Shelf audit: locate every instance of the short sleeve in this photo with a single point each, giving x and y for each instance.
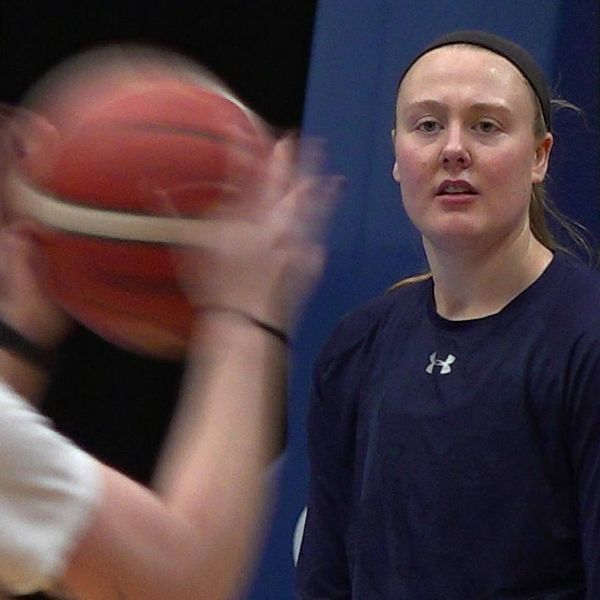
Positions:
(48, 490)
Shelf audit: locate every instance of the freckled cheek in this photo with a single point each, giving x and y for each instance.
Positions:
(415, 180)
(505, 183)
(506, 169)
(415, 170)
(499, 170)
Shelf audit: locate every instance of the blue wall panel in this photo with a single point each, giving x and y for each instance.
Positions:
(575, 168)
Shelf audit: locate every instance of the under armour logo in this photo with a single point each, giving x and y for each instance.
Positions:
(444, 364)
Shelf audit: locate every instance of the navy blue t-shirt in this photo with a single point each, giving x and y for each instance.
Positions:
(458, 460)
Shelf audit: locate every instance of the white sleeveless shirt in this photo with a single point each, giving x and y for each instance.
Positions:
(48, 489)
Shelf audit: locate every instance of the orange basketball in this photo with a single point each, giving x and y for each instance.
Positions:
(118, 135)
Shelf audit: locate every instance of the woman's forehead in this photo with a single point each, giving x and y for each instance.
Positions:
(469, 68)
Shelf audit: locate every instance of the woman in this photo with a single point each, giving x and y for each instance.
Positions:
(67, 521)
(453, 428)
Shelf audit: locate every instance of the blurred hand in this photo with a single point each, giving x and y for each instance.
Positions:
(23, 303)
(266, 261)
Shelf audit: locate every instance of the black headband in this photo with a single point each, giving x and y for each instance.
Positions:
(518, 56)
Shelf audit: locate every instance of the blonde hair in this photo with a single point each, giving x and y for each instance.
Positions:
(541, 208)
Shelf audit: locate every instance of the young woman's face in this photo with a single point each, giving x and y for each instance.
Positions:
(466, 156)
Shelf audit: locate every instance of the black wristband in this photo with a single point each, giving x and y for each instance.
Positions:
(281, 335)
(13, 341)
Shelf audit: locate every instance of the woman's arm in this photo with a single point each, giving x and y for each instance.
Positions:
(198, 535)
(199, 538)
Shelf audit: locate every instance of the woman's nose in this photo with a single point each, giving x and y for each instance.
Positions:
(455, 154)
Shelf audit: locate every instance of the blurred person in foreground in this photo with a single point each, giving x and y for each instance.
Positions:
(72, 525)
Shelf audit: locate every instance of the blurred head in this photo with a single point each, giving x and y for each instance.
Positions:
(472, 142)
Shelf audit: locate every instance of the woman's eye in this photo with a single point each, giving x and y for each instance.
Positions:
(486, 127)
(429, 126)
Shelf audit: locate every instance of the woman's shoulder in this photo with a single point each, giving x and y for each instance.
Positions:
(573, 298)
(578, 286)
(361, 323)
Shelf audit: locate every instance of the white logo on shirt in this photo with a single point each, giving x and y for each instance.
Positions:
(444, 364)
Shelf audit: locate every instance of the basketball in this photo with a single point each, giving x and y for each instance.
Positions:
(113, 137)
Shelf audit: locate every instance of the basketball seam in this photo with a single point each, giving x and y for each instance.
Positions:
(169, 128)
(26, 200)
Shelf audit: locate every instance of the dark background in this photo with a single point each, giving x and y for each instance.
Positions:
(116, 404)
(260, 47)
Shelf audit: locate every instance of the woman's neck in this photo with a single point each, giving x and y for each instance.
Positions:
(471, 285)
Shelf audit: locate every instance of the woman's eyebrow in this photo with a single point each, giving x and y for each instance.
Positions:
(428, 104)
(491, 106)
(425, 104)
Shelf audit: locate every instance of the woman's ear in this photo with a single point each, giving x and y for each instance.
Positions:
(541, 159)
(395, 173)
